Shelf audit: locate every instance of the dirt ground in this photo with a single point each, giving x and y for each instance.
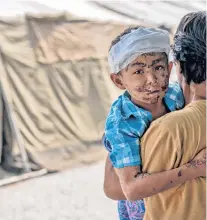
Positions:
(75, 194)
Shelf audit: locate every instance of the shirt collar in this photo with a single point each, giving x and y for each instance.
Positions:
(130, 109)
(169, 98)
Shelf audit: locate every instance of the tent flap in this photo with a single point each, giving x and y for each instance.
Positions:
(56, 78)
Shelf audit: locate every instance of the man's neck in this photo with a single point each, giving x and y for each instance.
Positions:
(198, 98)
(199, 91)
(193, 92)
(187, 92)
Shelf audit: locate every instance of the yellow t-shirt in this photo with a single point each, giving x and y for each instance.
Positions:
(170, 142)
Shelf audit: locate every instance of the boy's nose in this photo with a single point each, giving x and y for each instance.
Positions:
(151, 78)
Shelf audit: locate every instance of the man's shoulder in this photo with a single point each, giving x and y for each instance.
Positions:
(170, 120)
(177, 119)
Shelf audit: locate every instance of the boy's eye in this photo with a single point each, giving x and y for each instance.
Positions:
(138, 72)
(159, 68)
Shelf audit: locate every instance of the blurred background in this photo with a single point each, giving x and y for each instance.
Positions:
(56, 93)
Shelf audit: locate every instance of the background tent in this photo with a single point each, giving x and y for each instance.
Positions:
(153, 12)
(54, 73)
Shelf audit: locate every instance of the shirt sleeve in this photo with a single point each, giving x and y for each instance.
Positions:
(106, 143)
(174, 97)
(125, 147)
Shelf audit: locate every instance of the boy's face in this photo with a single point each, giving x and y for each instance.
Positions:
(146, 78)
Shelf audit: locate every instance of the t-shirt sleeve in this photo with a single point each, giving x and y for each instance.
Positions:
(125, 147)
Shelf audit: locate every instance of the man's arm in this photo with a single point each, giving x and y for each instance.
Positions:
(137, 186)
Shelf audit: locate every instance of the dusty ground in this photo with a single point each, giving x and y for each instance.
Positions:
(75, 194)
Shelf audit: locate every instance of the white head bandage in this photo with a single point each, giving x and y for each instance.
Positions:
(136, 43)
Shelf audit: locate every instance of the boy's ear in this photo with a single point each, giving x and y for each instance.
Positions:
(170, 66)
(117, 81)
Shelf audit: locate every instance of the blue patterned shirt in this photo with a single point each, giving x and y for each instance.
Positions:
(126, 124)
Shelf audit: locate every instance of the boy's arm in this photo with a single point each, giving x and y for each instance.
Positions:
(112, 187)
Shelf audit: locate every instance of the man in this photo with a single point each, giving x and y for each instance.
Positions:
(176, 138)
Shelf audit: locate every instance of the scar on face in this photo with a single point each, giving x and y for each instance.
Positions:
(165, 84)
(165, 74)
(145, 88)
(165, 81)
(140, 89)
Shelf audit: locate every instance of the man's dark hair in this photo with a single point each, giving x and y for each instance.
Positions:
(184, 21)
(190, 46)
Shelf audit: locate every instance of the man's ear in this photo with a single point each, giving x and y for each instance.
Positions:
(116, 78)
(180, 77)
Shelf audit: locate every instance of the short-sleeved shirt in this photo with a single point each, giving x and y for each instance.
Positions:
(170, 142)
(127, 122)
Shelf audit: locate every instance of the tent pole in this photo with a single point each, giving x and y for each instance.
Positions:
(1, 125)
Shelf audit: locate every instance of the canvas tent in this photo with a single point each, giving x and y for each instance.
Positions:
(59, 98)
(54, 75)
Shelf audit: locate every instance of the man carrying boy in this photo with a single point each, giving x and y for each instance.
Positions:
(139, 64)
(173, 140)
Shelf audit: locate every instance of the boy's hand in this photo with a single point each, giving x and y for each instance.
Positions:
(199, 162)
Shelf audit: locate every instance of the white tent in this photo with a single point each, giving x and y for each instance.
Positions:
(153, 12)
